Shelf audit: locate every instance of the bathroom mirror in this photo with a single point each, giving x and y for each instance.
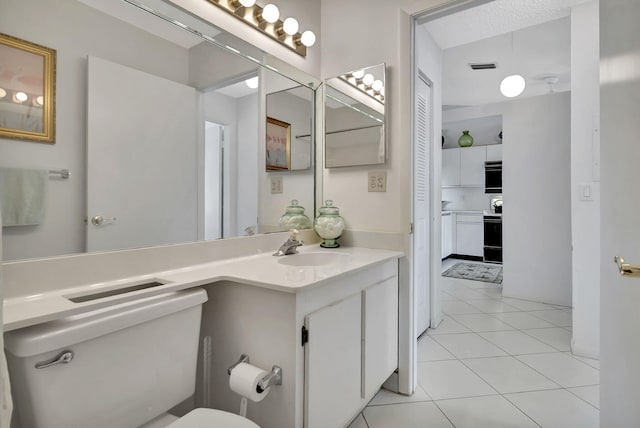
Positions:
(355, 118)
(162, 135)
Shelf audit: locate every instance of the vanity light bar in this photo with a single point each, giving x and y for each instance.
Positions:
(254, 15)
(374, 89)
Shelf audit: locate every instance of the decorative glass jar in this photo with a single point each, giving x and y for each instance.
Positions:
(465, 139)
(329, 225)
(294, 217)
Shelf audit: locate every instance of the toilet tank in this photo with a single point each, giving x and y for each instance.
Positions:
(131, 363)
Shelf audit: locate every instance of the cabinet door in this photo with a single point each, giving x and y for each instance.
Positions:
(333, 366)
(472, 165)
(447, 235)
(380, 334)
(469, 239)
(494, 152)
(451, 167)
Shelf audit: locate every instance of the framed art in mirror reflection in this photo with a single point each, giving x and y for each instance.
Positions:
(278, 145)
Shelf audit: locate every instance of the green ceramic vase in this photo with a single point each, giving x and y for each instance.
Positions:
(465, 139)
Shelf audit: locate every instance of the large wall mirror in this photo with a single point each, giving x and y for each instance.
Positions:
(162, 126)
(355, 131)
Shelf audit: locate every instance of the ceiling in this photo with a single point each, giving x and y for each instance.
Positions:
(527, 37)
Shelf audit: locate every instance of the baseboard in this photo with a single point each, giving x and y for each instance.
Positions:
(586, 352)
(465, 257)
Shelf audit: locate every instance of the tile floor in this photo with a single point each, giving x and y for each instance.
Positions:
(493, 362)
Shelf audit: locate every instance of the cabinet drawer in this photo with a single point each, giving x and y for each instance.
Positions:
(469, 218)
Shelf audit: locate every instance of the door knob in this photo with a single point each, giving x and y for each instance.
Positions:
(98, 220)
(625, 268)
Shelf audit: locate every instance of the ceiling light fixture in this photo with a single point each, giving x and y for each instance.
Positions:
(512, 86)
(267, 20)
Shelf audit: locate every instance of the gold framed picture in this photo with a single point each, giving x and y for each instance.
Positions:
(278, 148)
(27, 90)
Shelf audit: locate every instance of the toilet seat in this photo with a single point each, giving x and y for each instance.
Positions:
(211, 418)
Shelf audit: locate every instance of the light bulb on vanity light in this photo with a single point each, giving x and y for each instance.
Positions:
(358, 74)
(3, 93)
(20, 97)
(253, 82)
(247, 3)
(377, 85)
(368, 79)
(40, 100)
(271, 13)
(290, 26)
(308, 38)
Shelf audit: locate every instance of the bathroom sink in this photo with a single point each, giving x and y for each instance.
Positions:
(314, 259)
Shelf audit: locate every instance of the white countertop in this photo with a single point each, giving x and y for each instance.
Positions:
(263, 270)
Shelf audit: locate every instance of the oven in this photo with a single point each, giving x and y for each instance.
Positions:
(492, 238)
(493, 177)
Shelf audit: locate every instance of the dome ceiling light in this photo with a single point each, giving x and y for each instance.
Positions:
(512, 86)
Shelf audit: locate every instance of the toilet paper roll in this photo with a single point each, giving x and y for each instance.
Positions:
(244, 381)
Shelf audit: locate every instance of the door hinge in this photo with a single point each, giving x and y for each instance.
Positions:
(304, 335)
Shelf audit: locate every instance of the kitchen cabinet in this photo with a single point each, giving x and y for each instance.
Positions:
(447, 234)
(472, 161)
(451, 167)
(469, 235)
(465, 166)
(494, 152)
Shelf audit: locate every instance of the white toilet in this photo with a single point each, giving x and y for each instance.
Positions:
(119, 367)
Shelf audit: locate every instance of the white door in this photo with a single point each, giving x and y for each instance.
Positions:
(141, 158)
(620, 213)
(333, 364)
(421, 257)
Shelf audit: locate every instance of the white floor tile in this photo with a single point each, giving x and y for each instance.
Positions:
(522, 320)
(481, 322)
(358, 422)
(451, 379)
(555, 317)
(492, 306)
(590, 394)
(444, 297)
(517, 343)
(556, 409)
(484, 412)
(557, 337)
(451, 307)
(409, 415)
(491, 293)
(448, 326)
(562, 369)
(507, 375)
(526, 305)
(468, 345)
(593, 363)
(430, 350)
(384, 397)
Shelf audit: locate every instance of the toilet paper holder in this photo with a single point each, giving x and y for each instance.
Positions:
(273, 378)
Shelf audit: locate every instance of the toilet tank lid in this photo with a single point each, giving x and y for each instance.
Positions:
(75, 329)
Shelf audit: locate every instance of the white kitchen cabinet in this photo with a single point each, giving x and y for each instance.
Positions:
(494, 152)
(333, 364)
(469, 235)
(451, 167)
(472, 165)
(447, 235)
(380, 320)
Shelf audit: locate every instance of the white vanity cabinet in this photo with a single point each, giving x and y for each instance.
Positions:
(336, 343)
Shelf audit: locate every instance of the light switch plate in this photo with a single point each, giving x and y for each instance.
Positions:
(377, 181)
(276, 184)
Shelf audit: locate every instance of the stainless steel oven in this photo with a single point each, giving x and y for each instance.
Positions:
(492, 238)
(493, 177)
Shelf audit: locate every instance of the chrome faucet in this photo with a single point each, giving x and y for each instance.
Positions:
(290, 246)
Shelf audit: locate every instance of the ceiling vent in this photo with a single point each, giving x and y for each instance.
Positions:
(483, 66)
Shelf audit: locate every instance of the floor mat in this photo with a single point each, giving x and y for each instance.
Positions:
(475, 272)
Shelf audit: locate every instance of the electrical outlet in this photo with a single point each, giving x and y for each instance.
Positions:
(276, 184)
(377, 181)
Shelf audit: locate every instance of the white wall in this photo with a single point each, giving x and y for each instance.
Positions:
(585, 169)
(536, 189)
(75, 32)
